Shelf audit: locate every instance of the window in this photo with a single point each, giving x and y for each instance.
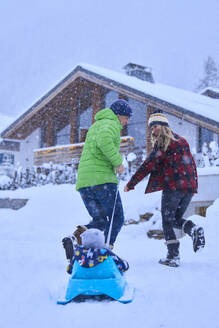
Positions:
(63, 136)
(204, 135)
(6, 159)
(62, 127)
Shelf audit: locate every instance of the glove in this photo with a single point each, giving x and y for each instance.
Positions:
(69, 268)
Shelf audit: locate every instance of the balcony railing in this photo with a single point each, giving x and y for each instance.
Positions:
(67, 154)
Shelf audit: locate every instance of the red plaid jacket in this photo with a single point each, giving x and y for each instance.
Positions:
(174, 169)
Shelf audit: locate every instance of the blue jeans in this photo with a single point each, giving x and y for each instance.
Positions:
(99, 201)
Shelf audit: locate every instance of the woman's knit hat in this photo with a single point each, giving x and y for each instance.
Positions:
(158, 118)
(121, 107)
(93, 238)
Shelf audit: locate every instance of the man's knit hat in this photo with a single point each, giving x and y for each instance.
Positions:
(158, 118)
(93, 238)
(121, 107)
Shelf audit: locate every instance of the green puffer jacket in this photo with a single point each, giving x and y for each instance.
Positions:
(100, 154)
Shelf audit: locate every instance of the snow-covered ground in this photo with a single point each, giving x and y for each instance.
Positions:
(33, 267)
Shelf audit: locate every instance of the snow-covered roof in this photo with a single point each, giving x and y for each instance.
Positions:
(189, 103)
(187, 100)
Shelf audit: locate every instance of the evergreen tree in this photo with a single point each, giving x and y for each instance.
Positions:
(211, 75)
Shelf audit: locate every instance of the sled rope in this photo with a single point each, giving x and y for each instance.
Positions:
(111, 221)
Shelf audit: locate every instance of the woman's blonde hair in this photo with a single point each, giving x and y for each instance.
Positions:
(163, 139)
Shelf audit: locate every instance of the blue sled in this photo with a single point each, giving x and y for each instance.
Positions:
(103, 279)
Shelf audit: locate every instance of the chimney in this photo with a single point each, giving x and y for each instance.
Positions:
(141, 72)
(211, 92)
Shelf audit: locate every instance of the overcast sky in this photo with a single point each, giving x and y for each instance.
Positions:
(42, 41)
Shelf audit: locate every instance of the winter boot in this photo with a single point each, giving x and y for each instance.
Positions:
(67, 243)
(172, 258)
(72, 241)
(196, 233)
(198, 239)
(77, 233)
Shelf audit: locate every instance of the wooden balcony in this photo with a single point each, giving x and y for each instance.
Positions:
(67, 154)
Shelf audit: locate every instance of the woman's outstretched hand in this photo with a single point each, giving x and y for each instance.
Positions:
(126, 189)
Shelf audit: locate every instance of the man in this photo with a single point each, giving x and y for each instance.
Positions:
(96, 180)
(173, 170)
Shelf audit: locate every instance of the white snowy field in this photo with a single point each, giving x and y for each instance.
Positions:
(33, 267)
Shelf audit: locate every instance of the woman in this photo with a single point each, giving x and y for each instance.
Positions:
(173, 170)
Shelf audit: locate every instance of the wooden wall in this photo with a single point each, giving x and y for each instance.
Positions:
(63, 109)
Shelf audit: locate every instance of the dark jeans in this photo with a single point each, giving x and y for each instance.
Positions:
(99, 201)
(173, 206)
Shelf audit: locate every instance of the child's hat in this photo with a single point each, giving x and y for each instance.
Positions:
(158, 118)
(93, 238)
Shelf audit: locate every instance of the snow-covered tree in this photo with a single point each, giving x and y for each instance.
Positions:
(211, 75)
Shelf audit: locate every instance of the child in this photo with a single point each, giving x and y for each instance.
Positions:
(93, 252)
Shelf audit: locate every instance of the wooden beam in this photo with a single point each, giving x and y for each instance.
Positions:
(50, 131)
(123, 96)
(74, 120)
(149, 111)
(96, 101)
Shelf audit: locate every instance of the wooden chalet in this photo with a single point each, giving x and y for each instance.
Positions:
(55, 127)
